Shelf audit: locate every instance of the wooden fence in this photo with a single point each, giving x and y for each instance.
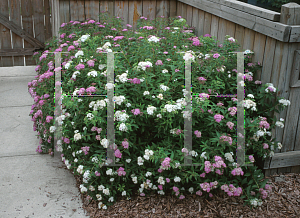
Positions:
(24, 27)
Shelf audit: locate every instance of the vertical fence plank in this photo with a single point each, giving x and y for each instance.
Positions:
(64, 11)
(259, 48)
(230, 29)
(183, 11)
(92, 9)
(80, 7)
(268, 60)
(135, 9)
(239, 35)
(173, 8)
(38, 20)
(200, 24)
(162, 8)
(207, 23)
(249, 39)
(74, 12)
(214, 28)
(189, 15)
(195, 20)
(15, 16)
(121, 10)
(27, 22)
(48, 31)
(55, 18)
(149, 9)
(107, 6)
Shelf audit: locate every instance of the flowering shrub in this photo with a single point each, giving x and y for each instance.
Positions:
(149, 111)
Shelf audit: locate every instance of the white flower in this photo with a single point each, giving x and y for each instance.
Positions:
(271, 153)
(123, 193)
(79, 53)
(153, 96)
(77, 136)
(150, 109)
(280, 124)
(128, 105)
(90, 116)
(104, 207)
(231, 39)
(52, 129)
(106, 191)
(104, 142)
(191, 190)
(176, 28)
(158, 115)
(170, 107)
(281, 119)
(203, 155)
(148, 174)
(160, 96)
(100, 187)
(112, 179)
(74, 74)
(161, 180)
(207, 56)
(140, 161)
(161, 192)
(128, 160)
(163, 87)
(67, 65)
(82, 188)
(177, 179)
(123, 127)
(285, 102)
(143, 65)
(123, 78)
(188, 56)
(279, 145)
(118, 99)
(111, 199)
(75, 160)
(92, 73)
(134, 179)
(165, 71)
(80, 169)
(99, 197)
(84, 38)
(101, 66)
(146, 93)
(153, 39)
(250, 96)
(109, 172)
(247, 51)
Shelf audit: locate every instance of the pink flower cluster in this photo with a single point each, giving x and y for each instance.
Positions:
(219, 163)
(159, 62)
(226, 139)
(85, 149)
(118, 154)
(118, 37)
(232, 110)
(125, 143)
(121, 171)
(231, 190)
(136, 111)
(197, 133)
(166, 163)
(237, 172)
(218, 117)
(135, 81)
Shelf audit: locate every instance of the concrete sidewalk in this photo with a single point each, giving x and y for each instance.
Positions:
(31, 184)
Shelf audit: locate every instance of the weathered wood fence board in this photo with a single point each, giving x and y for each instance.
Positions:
(25, 21)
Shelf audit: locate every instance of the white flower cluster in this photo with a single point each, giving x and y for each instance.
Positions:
(189, 55)
(121, 116)
(284, 102)
(191, 190)
(250, 104)
(193, 153)
(123, 77)
(109, 172)
(80, 169)
(163, 87)
(280, 124)
(123, 127)
(164, 71)
(153, 39)
(143, 65)
(75, 73)
(177, 179)
(140, 161)
(86, 176)
(104, 142)
(150, 109)
(148, 174)
(77, 136)
(99, 104)
(52, 129)
(90, 116)
(161, 180)
(134, 178)
(105, 47)
(82, 188)
(92, 73)
(83, 38)
(67, 164)
(148, 153)
(118, 99)
(270, 85)
(67, 65)
(250, 96)
(203, 155)
(101, 67)
(229, 156)
(256, 202)
(79, 53)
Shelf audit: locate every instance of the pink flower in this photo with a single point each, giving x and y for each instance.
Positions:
(79, 66)
(97, 173)
(85, 149)
(216, 55)
(175, 189)
(136, 111)
(181, 197)
(62, 35)
(48, 119)
(159, 62)
(71, 47)
(218, 117)
(202, 175)
(118, 154)
(125, 144)
(98, 137)
(168, 180)
(197, 133)
(94, 128)
(251, 158)
(91, 21)
(91, 89)
(160, 187)
(266, 146)
(207, 35)
(176, 70)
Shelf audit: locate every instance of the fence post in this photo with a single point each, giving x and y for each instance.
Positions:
(55, 18)
(290, 14)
